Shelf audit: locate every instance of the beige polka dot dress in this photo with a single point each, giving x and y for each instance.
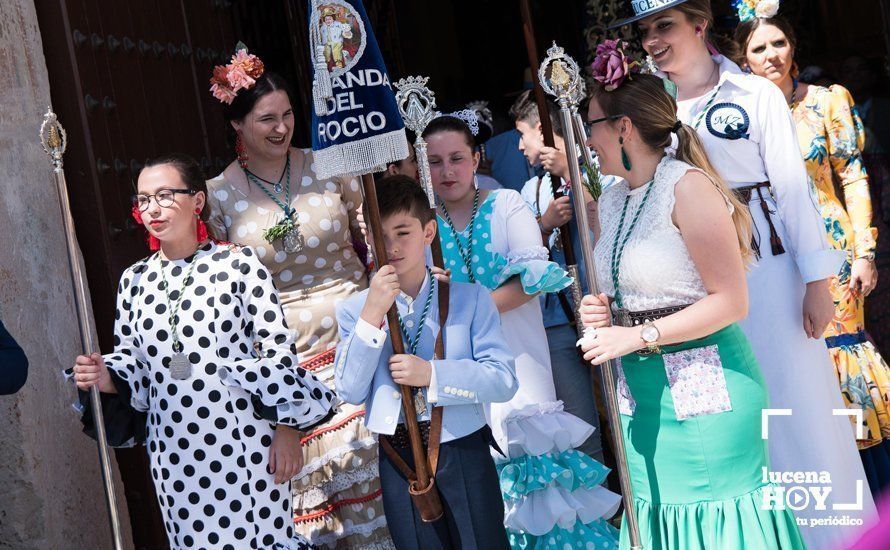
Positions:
(337, 494)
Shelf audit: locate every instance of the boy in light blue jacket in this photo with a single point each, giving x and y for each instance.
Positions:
(477, 368)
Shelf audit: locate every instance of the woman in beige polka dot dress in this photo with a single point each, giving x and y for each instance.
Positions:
(314, 266)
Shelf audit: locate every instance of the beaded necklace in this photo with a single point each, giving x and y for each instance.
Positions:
(287, 229)
(414, 342)
(180, 366)
(618, 250)
(466, 254)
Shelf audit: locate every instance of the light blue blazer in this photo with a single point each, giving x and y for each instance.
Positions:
(478, 367)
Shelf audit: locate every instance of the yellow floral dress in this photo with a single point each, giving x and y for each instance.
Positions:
(336, 496)
(831, 137)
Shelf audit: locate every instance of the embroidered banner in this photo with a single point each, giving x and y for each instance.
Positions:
(356, 126)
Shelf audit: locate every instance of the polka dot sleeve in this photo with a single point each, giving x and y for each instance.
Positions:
(281, 391)
(351, 193)
(127, 361)
(216, 221)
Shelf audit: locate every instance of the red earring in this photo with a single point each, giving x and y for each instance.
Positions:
(201, 227)
(697, 31)
(241, 151)
(151, 240)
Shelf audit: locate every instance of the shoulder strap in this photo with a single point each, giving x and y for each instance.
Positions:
(436, 414)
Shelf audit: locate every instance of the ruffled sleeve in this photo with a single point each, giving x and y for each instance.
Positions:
(124, 412)
(846, 138)
(281, 392)
(526, 256)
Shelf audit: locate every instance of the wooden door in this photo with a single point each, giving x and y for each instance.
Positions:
(129, 81)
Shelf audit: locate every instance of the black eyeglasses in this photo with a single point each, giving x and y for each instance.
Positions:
(590, 123)
(165, 198)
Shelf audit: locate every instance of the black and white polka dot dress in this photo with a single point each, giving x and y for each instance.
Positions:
(209, 436)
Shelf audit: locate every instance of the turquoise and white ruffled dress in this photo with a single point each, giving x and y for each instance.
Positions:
(552, 493)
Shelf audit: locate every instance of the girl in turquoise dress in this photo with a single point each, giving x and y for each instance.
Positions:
(670, 258)
(551, 490)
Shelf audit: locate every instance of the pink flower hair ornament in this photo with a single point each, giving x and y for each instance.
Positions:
(611, 66)
(240, 74)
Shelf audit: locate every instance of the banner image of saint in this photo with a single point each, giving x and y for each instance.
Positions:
(341, 34)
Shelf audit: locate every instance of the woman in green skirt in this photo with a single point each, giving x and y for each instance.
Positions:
(671, 253)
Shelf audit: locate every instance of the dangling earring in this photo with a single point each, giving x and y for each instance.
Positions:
(201, 227)
(625, 161)
(152, 241)
(241, 151)
(475, 181)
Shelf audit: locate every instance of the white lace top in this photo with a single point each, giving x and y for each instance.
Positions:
(656, 270)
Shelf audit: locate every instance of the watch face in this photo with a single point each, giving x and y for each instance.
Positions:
(649, 334)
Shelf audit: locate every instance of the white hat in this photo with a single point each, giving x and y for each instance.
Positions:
(645, 8)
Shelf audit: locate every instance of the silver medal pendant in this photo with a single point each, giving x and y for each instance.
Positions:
(293, 240)
(622, 317)
(180, 366)
(419, 402)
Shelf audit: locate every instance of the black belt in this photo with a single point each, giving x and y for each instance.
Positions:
(744, 194)
(637, 318)
(400, 438)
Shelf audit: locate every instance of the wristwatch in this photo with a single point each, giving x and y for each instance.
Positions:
(650, 335)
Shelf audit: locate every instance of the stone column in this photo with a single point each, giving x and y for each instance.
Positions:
(51, 492)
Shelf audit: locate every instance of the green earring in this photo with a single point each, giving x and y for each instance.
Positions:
(625, 161)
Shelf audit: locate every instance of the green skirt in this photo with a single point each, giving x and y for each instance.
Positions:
(698, 483)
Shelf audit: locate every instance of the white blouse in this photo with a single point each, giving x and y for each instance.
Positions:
(656, 270)
(749, 135)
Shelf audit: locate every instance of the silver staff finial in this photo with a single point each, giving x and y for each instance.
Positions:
(53, 138)
(560, 75)
(417, 105)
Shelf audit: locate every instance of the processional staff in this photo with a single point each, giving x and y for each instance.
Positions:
(565, 239)
(55, 141)
(560, 77)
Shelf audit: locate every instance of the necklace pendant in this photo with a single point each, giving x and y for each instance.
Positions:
(622, 317)
(278, 188)
(419, 402)
(293, 240)
(180, 366)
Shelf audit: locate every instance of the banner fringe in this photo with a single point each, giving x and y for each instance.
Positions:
(368, 155)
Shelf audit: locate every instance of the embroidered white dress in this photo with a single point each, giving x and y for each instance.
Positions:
(551, 490)
(750, 138)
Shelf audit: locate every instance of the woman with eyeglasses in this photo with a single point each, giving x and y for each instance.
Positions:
(204, 374)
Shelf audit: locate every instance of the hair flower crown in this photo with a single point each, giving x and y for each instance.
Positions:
(751, 9)
(240, 74)
(611, 65)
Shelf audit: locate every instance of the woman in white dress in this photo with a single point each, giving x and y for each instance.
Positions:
(204, 373)
(748, 133)
(551, 489)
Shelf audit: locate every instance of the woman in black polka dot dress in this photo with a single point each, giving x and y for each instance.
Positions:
(204, 373)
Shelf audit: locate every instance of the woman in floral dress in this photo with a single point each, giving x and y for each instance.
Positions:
(831, 139)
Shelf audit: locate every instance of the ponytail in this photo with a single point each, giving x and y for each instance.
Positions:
(691, 151)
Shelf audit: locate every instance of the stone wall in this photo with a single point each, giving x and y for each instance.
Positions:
(50, 488)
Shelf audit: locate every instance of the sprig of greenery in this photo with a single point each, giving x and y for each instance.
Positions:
(279, 230)
(591, 181)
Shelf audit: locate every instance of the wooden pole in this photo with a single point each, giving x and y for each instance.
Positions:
(375, 227)
(528, 32)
